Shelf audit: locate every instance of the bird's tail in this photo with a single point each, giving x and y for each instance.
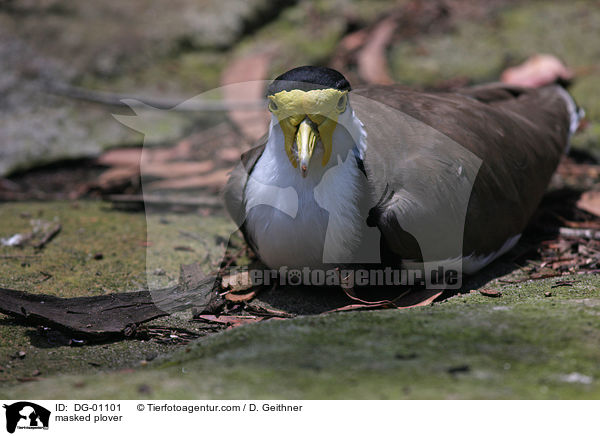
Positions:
(576, 113)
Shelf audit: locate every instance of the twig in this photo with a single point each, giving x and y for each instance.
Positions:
(579, 233)
(560, 283)
(50, 234)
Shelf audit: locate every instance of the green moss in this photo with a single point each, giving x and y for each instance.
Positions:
(88, 228)
(67, 267)
(523, 345)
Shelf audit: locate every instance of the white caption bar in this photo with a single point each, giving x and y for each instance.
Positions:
(261, 417)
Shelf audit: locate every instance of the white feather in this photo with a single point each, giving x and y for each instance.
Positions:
(328, 222)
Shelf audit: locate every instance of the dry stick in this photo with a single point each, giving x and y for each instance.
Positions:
(592, 225)
(579, 233)
(48, 236)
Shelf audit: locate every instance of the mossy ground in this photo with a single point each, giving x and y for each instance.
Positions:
(521, 345)
(69, 266)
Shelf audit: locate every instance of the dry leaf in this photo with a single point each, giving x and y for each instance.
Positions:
(590, 202)
(116, 176)
(229, 154)
(538, 70)
(216, 179)
(490, 293)
(121, 157)
(240, 298)
(404, 301)
(372, 60)
(229, 320)
(245, 78)
(169, 170)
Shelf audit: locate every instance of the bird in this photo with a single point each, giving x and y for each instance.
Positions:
(388, 175)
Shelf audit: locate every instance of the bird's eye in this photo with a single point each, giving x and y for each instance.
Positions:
(341, 105)
(273, 106)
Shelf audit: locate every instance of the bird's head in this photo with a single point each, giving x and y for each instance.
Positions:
(307, 102)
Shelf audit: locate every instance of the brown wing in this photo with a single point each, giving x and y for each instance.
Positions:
(518, 134)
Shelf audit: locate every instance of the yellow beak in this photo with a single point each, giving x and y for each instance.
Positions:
(306, 138)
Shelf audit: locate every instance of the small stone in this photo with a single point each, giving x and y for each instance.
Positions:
(36, 373)
(21, 354)
(98, 256)
(548, 294)
(144, 389)
(576, 377)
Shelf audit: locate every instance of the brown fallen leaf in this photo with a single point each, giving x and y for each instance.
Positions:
(351, 294)
(490, 293)
(133, 156)
(590, 202)
(117, 176)
(579, 224)
(121, 157)
(169, 170)
(243, 81)
(406, 300)
(372, 60)
(353, 41)
(229, 154)
(216, 179)
(346, 49)
(349, 307)
(538, 70)
(180, 151)
(240, 298)
(229, 320)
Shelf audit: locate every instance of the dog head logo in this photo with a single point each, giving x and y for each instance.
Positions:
(25, 415)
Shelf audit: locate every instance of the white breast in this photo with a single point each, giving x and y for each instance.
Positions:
(326, 224)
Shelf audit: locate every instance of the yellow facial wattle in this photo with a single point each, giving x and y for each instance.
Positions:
(305, 117)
